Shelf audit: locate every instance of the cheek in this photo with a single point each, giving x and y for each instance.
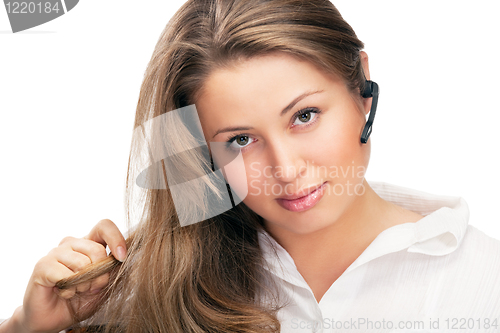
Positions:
(250, 181)
(262, 187)
(258, 176)
(340, 152)
(256, 192)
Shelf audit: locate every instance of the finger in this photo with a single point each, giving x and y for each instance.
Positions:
(95, 251)
(107, 233)
(66, 239)
(83, 287)
(70, 258)
(74, 261)
(48, 271)
(100, 282)
(77, 261)
(67, 293)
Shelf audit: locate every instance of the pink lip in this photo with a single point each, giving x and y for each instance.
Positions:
(301, 194)
(303, 203)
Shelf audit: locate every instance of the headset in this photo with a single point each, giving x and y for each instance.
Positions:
(371, 90)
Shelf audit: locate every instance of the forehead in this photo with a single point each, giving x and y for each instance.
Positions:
(259, 86)
(264, 75)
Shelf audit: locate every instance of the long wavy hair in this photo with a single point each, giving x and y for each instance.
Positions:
(208, 276)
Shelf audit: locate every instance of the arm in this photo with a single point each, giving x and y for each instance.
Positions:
(13, 324)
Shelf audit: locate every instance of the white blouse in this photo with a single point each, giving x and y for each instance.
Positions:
(438, 274)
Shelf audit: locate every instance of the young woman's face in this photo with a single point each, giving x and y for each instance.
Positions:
(285, 151)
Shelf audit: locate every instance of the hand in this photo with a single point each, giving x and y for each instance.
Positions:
(45, 309)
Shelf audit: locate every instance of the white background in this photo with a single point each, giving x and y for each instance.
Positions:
(69, 88)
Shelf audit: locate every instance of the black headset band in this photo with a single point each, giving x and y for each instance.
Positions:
(371, 90)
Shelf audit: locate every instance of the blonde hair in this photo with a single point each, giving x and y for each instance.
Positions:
(206, 277)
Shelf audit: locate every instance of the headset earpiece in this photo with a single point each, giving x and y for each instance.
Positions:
(368, 91)
(371, 90)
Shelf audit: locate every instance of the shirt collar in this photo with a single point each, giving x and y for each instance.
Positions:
(438, 233)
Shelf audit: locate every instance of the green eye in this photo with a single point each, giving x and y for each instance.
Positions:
(241, 141)
(304, 115)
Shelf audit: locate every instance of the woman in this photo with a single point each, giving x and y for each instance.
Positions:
(352, 252)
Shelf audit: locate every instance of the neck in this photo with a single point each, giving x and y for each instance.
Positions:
(348, 236)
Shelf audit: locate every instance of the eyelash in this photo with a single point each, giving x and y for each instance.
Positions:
(299, 113)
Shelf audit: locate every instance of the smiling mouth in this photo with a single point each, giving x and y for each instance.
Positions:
(305, 202)
(302, 193)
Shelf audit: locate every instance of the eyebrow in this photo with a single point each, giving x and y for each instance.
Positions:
(282, 113)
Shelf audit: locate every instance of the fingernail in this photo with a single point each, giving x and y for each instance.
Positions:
(120, 253)
(95, 291)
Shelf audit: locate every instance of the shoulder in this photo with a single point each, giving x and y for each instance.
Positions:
(480, 243)
(468, 277)
(478, 255)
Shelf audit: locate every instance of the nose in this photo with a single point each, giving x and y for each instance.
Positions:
(287, 161)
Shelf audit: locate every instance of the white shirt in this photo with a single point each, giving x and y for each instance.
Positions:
(438, 274)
